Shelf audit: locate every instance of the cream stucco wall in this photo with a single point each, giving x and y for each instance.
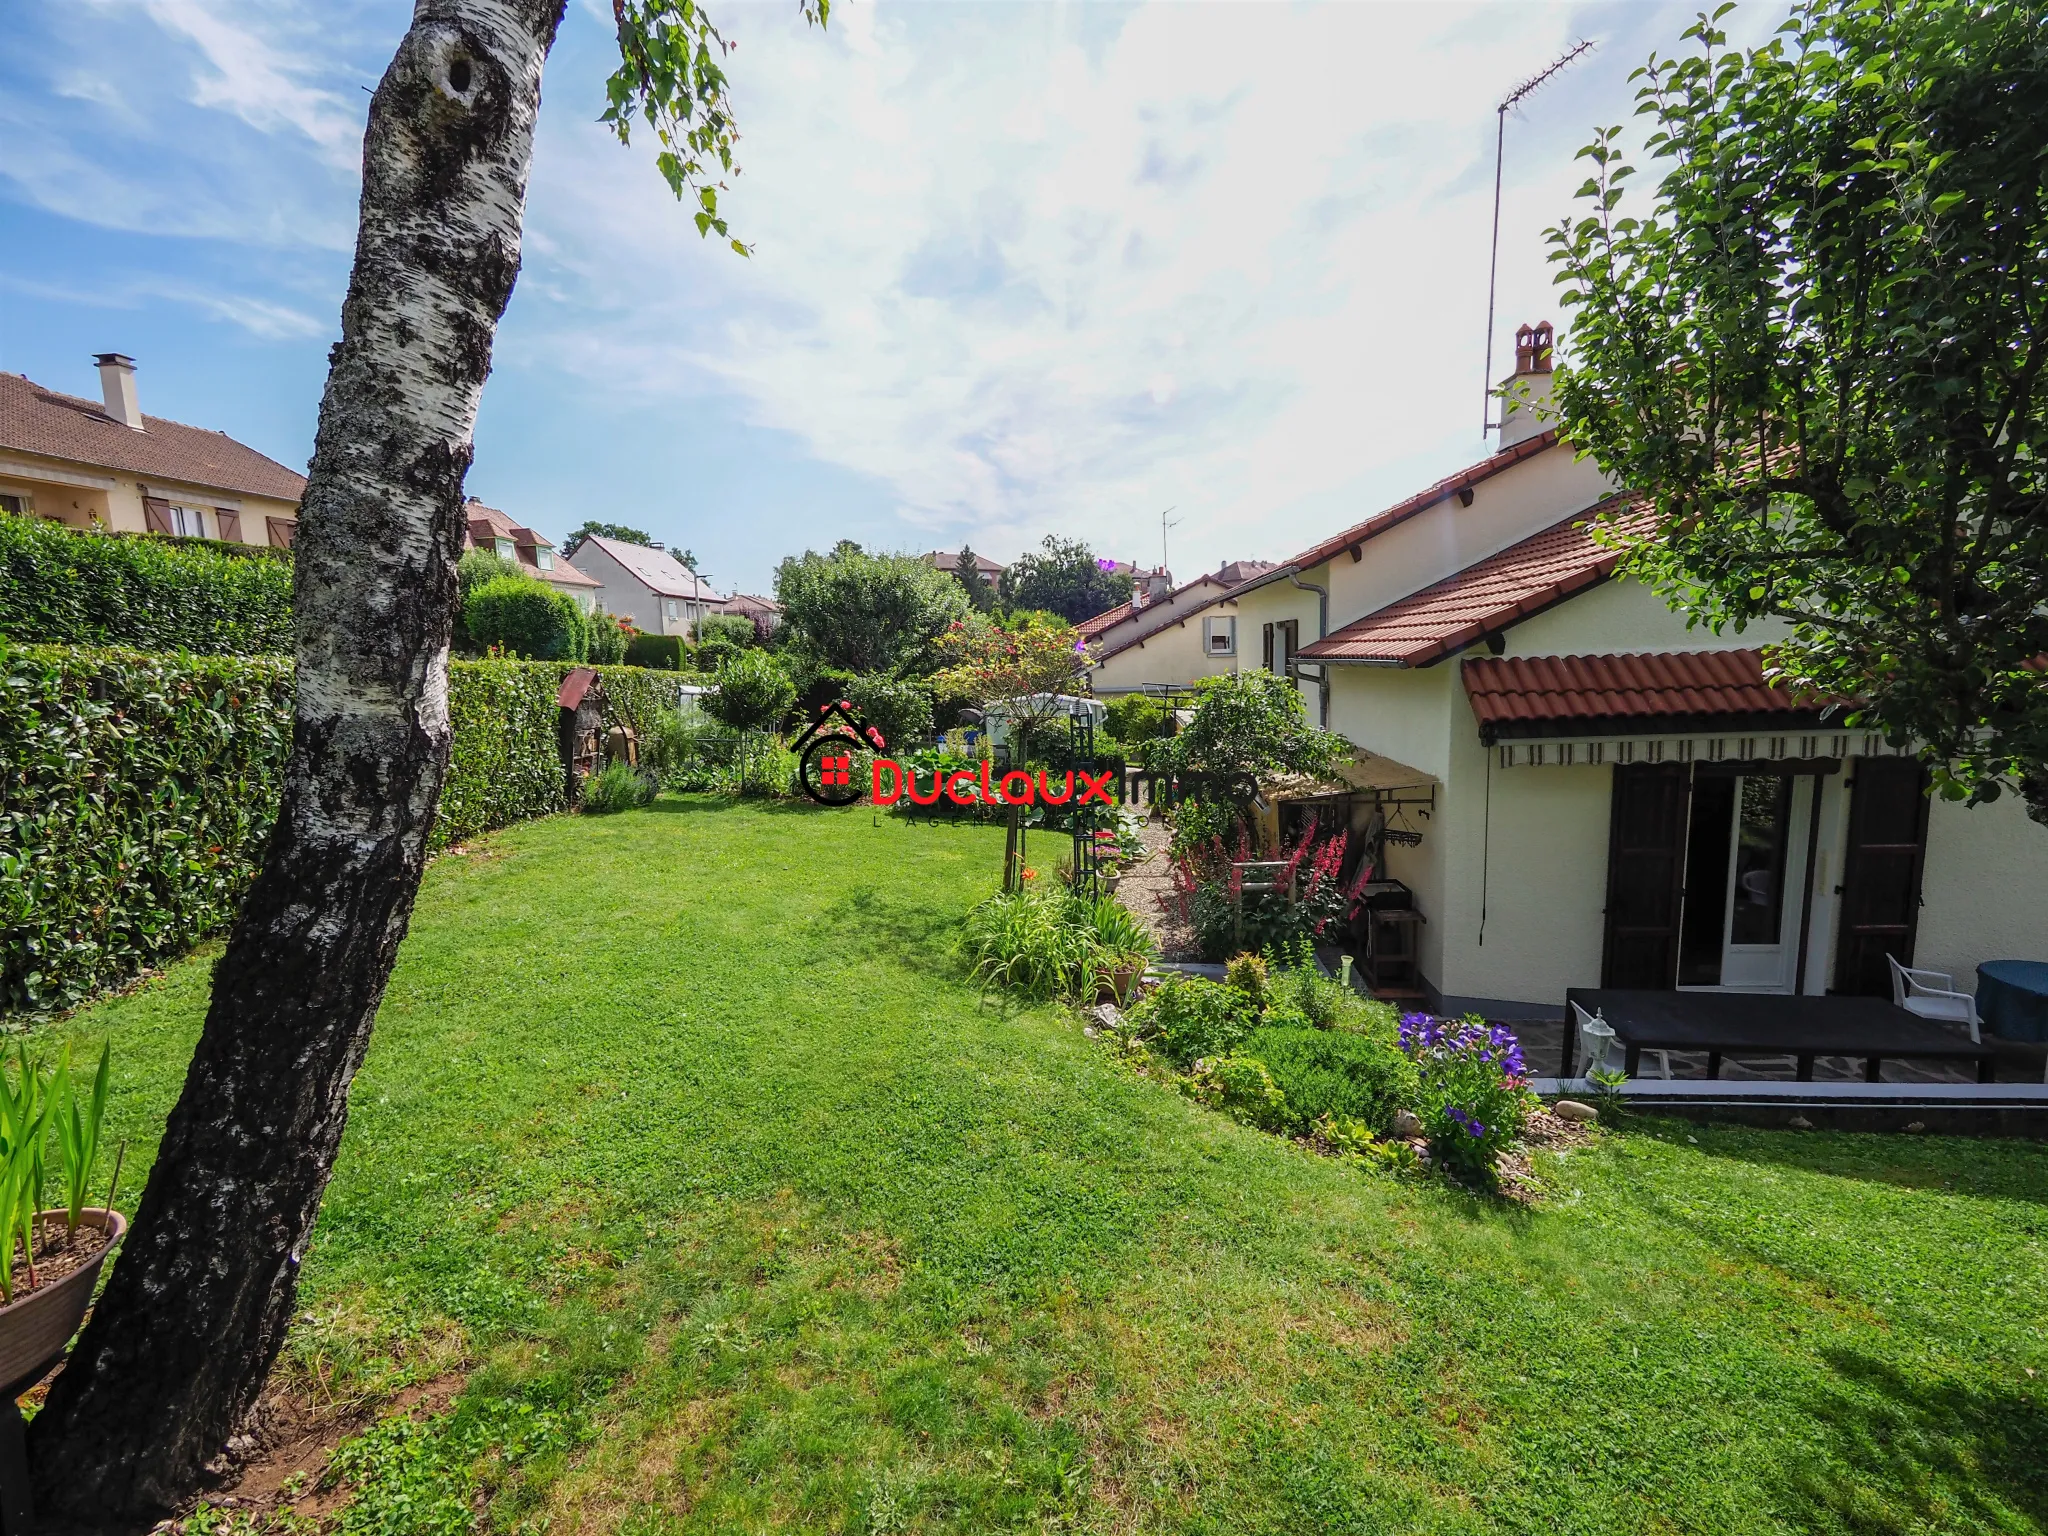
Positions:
(1174, 655)
(1622, 616)
(1984, 890)
(1521, 500)
(80, 496)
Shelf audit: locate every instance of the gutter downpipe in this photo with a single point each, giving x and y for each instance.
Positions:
(1322, 632)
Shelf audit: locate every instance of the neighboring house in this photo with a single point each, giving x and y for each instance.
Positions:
(103, 464)
(488, 528)
(1170, 637)
(648, 585)
(765, 612)
(948, 560)
(1584, 791)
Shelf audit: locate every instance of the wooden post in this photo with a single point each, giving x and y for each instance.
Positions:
(1013, 863)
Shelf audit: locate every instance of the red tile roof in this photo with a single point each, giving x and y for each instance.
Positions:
(1524, 695)
(41, 421)
(1521, 580)
(1095, 626)
(1420, 502)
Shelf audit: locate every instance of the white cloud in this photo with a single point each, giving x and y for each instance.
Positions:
(259, 80)
(211, 119)
(1054, 268)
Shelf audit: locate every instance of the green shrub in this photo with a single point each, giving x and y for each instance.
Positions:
(1191, 1018)
(526, 618)
(59, 586)
(665, 653)
(754, 693)
(136, 795)
(1335, 1072)
(616, 787)
(730, 628)
(1241, 1087)
(1248, 974)
(901, 709)
(1136, 717)
(607, 639)
(713, 654)
(473, 570)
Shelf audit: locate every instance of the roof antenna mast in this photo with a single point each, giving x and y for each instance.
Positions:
(1163, 526)
(1513, 99)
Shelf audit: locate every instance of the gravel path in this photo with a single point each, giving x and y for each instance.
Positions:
(1147, 889)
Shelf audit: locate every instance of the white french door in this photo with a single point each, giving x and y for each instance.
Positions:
(1745, 862)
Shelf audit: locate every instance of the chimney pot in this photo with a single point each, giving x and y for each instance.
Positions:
(1532, 347)
(117, 388)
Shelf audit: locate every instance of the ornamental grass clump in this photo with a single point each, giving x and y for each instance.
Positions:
(1474, 1091)
(1049, 944)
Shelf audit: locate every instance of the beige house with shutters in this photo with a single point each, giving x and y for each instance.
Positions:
(1574, 788)
(104, 464)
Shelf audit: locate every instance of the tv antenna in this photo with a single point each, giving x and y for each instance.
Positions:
(1163, 526)
(1513, 99)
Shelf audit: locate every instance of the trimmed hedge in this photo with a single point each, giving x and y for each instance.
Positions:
(59, 586)
(137, 793)
(666, 652)
(524, 616)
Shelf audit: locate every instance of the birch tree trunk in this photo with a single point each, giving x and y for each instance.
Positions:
(197, 1306)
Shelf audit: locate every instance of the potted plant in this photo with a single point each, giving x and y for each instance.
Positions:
(50, 1260)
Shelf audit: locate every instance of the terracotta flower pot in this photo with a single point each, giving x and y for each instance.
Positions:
(37, 1324)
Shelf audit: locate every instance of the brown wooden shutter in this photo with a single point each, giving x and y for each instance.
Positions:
(230, 524)
(281, 531)
(156, 515)
(1290, 635)
(1645, 873)
(1266, 660)
(1881, 873)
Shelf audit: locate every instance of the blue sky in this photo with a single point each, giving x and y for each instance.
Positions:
(1020, 268)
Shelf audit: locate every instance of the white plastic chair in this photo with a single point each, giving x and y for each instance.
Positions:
(1596, 1036)
(1932, 995)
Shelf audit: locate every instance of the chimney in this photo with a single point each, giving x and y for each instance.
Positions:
(117, 388)
(1530, 385)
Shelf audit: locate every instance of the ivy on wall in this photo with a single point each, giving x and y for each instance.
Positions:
(59, 586)
(137, 793)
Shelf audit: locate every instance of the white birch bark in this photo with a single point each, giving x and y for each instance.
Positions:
(197, 1306)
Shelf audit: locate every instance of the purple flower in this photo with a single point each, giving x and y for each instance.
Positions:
(1105, 565)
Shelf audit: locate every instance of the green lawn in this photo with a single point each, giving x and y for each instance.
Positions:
(683, 1134)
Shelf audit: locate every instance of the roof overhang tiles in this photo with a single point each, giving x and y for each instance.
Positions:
(1358, 535)
(1486, 597)
(1670, 692)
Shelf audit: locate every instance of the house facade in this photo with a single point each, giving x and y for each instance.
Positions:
(765, 612)
(650, 586)
(489, 529)
(104, 464)
(1170, 637)
(1579, 790)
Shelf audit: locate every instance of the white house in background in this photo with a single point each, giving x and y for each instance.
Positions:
(650, 586)
(1170, 636)
(1585, 792)
(103, 464)
(489, 529)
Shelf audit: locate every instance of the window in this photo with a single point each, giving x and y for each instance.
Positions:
(671, 609)
(185, 522)
(1219, 636)
(505, 548)
(16, 505)
(543, 557)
